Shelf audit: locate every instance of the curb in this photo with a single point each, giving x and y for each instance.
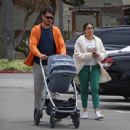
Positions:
(13, 72)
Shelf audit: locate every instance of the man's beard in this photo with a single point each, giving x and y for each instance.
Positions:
(47, 24)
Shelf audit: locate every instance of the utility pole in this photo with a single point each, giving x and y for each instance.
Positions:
(61, 16)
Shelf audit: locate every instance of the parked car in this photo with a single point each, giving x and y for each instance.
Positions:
(113, 38)
(117, 65)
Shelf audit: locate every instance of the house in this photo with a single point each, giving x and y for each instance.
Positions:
(101, 13)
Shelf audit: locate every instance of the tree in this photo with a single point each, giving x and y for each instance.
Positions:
(30, 6)
(37, 5)
(7, 48)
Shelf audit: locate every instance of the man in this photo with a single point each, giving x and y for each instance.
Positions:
(45, 40)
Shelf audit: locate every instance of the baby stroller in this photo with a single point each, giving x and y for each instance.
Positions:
(61, 72)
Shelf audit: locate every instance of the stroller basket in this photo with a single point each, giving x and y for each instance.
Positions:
(61, 72)
(61, 105)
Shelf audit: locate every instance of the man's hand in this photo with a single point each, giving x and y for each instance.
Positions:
(43, 56)
(95, 55)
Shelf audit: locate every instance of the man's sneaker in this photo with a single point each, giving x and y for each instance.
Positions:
(38, 112)
(84, 115)
(99, 115)
(41, 114)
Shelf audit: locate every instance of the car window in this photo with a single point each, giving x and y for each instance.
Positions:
(116, 37)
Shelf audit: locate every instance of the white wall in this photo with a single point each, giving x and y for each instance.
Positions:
(19, 15)
(126, 2)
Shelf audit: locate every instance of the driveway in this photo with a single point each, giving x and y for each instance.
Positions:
(16, 108)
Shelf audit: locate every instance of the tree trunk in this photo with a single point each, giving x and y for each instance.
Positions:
(38, 19)
(18, 41)
(7, 47)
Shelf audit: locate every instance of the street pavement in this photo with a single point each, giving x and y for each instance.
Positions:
(16, 108)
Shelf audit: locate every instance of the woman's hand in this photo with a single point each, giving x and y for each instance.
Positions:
(95, 55)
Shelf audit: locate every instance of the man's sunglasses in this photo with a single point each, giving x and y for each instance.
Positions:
(48, 17)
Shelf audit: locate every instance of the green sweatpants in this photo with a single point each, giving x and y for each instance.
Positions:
(89, 76)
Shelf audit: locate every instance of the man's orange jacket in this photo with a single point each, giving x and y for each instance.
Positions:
(34, 41)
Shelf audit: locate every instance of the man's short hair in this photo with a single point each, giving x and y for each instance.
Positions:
(48, 10)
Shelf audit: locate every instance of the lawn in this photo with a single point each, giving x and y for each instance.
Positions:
(14, 65)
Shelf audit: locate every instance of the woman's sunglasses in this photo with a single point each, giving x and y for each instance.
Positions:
(48, 17)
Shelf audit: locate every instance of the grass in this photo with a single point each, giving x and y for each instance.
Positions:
(14, 65)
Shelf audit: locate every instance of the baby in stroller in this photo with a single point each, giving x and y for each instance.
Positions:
(61, 72)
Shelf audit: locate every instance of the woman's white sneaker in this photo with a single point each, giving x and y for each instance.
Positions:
(84, 115)
(99, 115)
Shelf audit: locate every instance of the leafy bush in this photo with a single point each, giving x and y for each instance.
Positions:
(14, 65)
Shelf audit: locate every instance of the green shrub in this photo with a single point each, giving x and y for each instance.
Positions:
(14, 65)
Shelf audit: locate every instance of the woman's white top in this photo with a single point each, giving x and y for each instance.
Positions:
(90, 47)
(83, 56)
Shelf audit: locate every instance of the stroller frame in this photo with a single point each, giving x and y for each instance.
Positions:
(74, 112)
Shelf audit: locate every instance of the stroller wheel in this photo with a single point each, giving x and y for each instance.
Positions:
(52, 121)
(76, 119)
(37, 116)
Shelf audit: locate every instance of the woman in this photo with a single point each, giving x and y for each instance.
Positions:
(88, 52)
